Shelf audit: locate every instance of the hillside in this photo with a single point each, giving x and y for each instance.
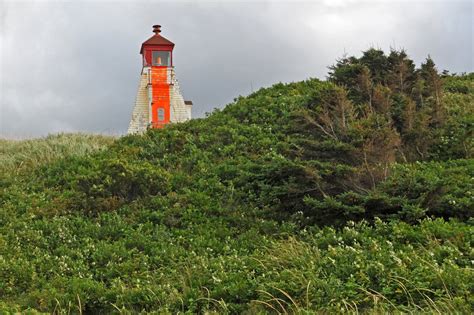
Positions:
(353, 194)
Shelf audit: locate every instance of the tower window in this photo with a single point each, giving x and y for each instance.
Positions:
(161, 114)
(161, 58)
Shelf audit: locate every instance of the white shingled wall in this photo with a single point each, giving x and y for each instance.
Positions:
(140, 115)
(179, 110)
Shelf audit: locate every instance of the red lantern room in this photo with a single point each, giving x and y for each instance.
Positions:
(157, 50)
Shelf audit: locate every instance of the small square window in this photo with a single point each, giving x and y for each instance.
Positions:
(161, 58)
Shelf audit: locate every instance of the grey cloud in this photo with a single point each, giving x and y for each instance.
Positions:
(74, 66)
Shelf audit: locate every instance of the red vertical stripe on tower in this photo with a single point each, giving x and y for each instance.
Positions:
(160, 97)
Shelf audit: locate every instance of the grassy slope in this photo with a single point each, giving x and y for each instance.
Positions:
(190, 219)
(16, 156)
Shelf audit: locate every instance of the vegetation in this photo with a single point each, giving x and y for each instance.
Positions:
(353, 194)
(16, 156)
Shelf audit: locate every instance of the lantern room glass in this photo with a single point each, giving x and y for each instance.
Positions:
(161, 58)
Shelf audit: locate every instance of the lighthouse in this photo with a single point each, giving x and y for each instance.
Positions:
(159, 101)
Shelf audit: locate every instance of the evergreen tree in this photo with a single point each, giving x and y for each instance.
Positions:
(382, 99)
(401, 77)
(365, 85)
(433, 90)
(377, 62)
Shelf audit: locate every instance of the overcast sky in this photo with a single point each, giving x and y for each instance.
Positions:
(75, 65)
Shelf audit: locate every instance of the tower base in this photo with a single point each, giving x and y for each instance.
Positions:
(142, 116)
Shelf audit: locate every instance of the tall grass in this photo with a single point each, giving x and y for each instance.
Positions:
(365, 269)
(19, 155)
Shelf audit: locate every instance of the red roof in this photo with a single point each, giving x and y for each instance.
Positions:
(157, 39)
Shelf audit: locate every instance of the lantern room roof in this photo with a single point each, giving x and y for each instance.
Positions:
(157, 39)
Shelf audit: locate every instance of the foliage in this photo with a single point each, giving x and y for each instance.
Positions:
(347, 195)
(16, 156)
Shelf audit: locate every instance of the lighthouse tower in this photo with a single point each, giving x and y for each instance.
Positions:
(159, 101)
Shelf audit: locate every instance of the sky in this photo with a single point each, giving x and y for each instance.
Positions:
(74, 66)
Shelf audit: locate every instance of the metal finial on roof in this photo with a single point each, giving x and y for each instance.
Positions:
(156, 29)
